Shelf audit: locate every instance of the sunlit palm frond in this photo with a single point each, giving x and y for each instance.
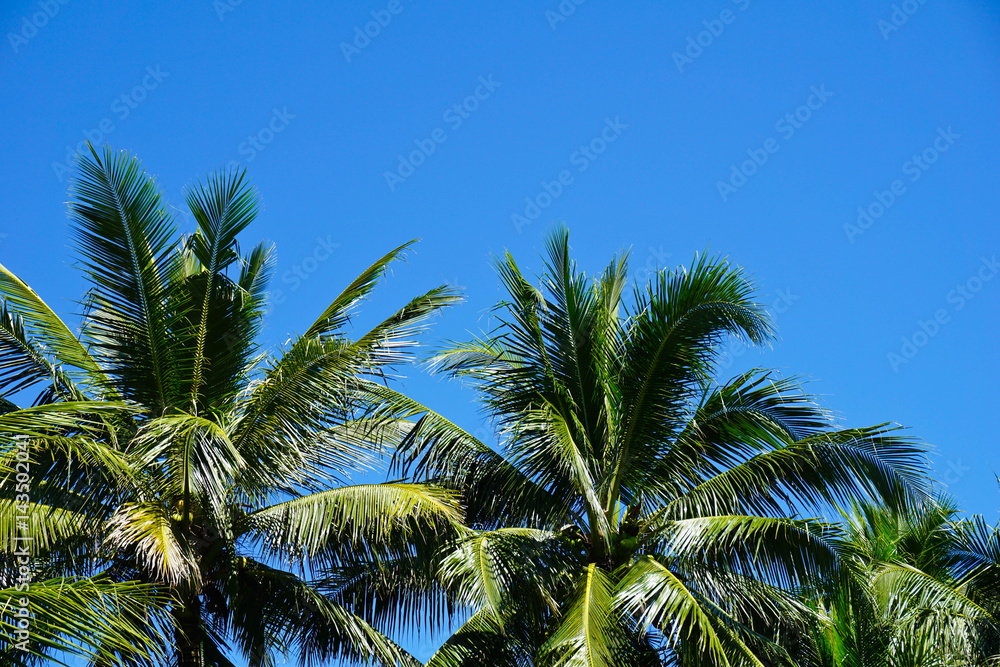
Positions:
(590, 633)
(199, 457)
(675, 327)
(375, 517)
(91, 618)
(147, 531)
(28, 326)
(40, 527)
(785, 552)
(828, 467)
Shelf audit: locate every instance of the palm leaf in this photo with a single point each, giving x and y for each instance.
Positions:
(89, 618)
(367, 516)
(126, 238)
(36, 321)
(590, 633)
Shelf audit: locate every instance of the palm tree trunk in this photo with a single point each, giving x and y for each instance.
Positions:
(187, 636)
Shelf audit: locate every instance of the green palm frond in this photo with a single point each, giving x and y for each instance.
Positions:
(607, 412)
(273, 611)
(91, 618)
(319, 382)
(125, 235)
(45, 528)
(23, 362)
(73, 430)
(590, 633)
(750, 414)
(785, 552)
(892, 584)
(547, 450)
(509, 571)
(674, 332)
(434, 449)
(483, 640)
(375, 517)
(651, 591)
(398, 594)
(29, 326)
(338, 313)
(199, 456)
(147, 531)
(223, 208)
(828, 467)
(977, 550)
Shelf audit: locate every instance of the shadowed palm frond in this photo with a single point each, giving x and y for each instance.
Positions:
(510, 572)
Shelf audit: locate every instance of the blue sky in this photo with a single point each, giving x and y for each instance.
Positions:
(845, 153)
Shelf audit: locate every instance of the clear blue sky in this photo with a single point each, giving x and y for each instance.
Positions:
(643, 112)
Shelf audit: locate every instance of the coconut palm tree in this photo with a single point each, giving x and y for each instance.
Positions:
(975, 561)
(183, 480)
(907, 595)
(634, 512)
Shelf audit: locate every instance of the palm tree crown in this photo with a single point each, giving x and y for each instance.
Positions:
(636, 513)
(177, 466)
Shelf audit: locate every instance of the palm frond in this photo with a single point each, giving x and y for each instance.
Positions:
(483, 640)
(126, 237)
(673, 338)
(275, 610)
(786, 552)
(338, 313)
(223, 208)
(659, 598)
(590, 633)
(829, 467)
(91, 618)
(147, 531)
(44, 528)
(27, 318)
(512, 572)
(198, 453)
(374, 517)
(437, 450)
